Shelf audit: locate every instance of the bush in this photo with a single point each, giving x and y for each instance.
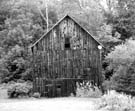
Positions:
(86, 89)
(20, 90)
(36, 95)
(113, 101)
(108, 85)
(122, 62)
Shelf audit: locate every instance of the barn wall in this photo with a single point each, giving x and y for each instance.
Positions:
(52, 60)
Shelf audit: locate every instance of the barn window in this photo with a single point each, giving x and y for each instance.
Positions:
(67, 43)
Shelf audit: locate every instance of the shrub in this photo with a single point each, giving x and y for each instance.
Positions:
(20, 81)
(86, 89)
(36, 95)
(122, 62)
(20, 90)
(113, 101)
(108, 85)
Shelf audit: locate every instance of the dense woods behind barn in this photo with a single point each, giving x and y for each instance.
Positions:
(23, 22)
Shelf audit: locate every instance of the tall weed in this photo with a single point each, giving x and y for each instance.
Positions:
(86, 89)
(113, 101)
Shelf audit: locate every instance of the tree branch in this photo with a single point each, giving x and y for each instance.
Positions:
(45, 19)
(42, 14)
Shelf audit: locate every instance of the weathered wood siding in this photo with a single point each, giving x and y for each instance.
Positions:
(52, 60)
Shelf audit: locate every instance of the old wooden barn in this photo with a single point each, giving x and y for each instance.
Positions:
(67, 53)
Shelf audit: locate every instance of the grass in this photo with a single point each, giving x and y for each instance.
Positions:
(42, 104)
(112, 101)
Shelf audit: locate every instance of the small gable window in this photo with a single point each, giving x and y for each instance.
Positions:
(67, 43)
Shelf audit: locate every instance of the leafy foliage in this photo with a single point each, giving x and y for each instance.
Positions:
(113, 101)
(123, 54)
(36, 95)
(119, 15)
(124, 19)
(122, 62)
(106, 36)
(20, 90)
(23, 25)
(86, 89)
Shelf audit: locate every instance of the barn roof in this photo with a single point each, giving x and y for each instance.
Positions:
(58, 23)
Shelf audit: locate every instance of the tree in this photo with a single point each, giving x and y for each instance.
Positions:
(22, 28)
(18, 35)
(122, 61)
(123, 18)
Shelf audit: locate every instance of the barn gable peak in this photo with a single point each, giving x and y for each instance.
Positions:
(69, 16)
